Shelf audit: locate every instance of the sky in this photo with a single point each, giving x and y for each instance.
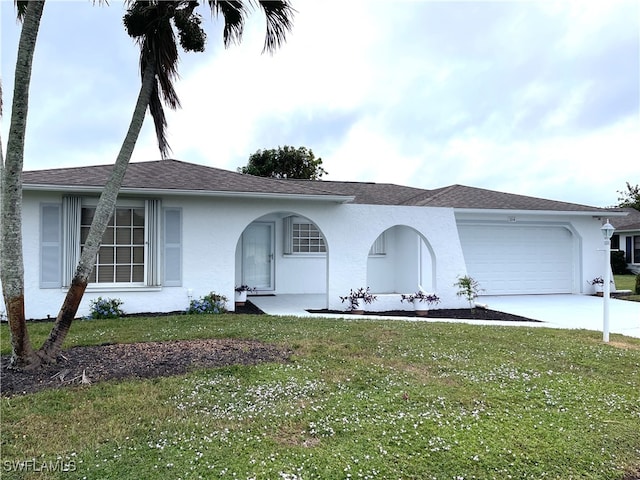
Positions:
(537, 98)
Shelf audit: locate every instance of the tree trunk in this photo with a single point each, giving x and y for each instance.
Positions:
(106, 206)
(12, 262)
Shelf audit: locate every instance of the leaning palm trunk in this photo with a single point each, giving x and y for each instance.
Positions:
(11, 243)
(106, 205)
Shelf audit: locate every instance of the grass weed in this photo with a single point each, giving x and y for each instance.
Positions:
(360, 399)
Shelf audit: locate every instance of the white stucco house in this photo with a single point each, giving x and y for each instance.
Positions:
(182, 230)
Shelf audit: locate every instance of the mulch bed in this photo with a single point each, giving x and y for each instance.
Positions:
(85, 365)
(455, 313)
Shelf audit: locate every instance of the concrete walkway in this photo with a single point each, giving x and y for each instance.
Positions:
(554, 311)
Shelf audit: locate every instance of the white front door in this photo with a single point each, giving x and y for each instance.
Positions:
(258, 256)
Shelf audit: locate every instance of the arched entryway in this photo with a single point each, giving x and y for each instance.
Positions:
(400, 261)
(282, 253)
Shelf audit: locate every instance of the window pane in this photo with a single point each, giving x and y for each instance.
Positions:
(123, 273)
(87, 216)
(138, 236)
(138, 217)
(138, 254)
(123, 255)
(105, 255)
(84, 233)
(123, 236)
(105, 273)
(123, 217)
(138, 273)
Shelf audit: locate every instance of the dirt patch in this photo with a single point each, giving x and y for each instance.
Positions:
(93, 364)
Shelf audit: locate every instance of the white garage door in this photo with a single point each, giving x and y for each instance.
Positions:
(518, 259)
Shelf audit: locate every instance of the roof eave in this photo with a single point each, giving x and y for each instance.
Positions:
(191, 193)
(588, 213)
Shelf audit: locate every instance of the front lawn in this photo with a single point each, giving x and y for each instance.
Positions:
(359, 399)
(627, 282)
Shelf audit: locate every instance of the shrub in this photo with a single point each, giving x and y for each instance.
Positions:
(211, 303)
(469, 288)
(102, 308)
(618, 263)
(638, 284)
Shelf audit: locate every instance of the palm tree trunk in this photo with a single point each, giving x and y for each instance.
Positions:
(106, 205)
(12, 262)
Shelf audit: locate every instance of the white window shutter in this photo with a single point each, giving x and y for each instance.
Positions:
(172, 247)
(50, 246)
(153, 245)
(287, 235)
(71, 213)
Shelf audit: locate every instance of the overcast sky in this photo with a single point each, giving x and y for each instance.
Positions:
(539, 98)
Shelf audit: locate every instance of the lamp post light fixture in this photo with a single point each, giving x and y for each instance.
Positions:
(607, 232)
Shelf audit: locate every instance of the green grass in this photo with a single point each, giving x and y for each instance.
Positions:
(359, 399)
(627, 282)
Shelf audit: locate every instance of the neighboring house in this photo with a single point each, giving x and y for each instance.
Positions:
(627, 237)
(182, 230)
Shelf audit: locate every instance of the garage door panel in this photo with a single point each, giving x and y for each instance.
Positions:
(517, 259)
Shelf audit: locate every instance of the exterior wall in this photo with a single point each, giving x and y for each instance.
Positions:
(212, 227)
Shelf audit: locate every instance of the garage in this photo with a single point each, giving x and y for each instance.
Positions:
(519, 259)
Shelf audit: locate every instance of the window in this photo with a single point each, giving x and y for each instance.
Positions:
(121, 258)
(302, 237)
(307, 239)
(636, 249)
(142, 245)
(379, 247)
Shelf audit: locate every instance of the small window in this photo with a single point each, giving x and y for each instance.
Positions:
(302, 237)
(306, 238)
(379, 247)
(636, 249)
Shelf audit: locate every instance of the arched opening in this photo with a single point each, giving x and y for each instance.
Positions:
(400, 261)
(282, 253)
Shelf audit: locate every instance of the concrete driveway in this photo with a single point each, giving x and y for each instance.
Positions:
(571, 311)
(554, 311)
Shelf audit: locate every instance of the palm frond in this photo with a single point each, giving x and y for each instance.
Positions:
(234, 13)
(21, 8)
(279, 15)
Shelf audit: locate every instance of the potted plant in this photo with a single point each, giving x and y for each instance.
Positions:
(241, 294)
(598, 284)
(421, 300)
(357, 299)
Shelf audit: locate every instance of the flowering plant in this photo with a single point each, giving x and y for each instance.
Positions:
(597, 281)
(355, 296)
(102, 308)
(211, 303)
(244, 288)
(420, 296)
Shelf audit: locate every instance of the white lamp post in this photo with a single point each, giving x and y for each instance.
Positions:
(607, 232)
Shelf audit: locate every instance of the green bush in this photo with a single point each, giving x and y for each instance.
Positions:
(618, 263)
(638, 284)
(102, 308)
(211, 303)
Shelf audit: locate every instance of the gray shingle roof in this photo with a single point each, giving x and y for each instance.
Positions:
(174, 175)
(630, 222)
(169, 175)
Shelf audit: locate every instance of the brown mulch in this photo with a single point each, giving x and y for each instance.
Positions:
(455, 313)
(86, 365)
(83, 365)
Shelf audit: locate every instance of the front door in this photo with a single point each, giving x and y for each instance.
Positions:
(258, 256)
